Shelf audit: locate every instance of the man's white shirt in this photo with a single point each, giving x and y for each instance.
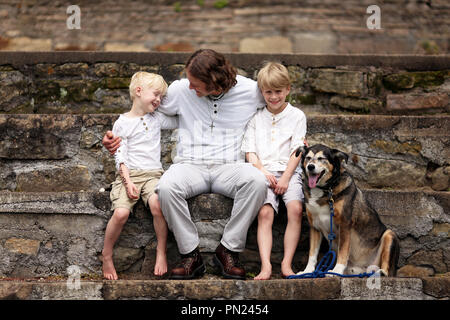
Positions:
(198, 141)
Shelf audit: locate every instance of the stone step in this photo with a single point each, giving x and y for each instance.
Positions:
(44, 233)
(64, 153)
(211, 288)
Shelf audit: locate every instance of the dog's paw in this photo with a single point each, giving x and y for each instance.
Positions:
(383, 273)
(307, 270)
(338, 268)
(331, 275)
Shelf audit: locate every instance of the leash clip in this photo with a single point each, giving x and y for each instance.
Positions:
(330, 196)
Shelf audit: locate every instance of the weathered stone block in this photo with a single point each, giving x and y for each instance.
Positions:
(437, 287)
(382, 173)
(417, 101)
(14, 91)
(411, 271)
(410, 213)
(368, 105)
(39, 136)
(87, 290)
(347, 83)
(440, 179)
(409, 80)
(433, 258)
(275, 44)
(15, 291)
(74, 178)
(71, 69)
(23, 246)
(389, 289)
(315, 42)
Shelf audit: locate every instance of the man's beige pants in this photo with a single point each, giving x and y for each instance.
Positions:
(239, 181)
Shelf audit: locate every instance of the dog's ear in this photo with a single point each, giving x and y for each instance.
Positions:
(339, 156)
(300, 149)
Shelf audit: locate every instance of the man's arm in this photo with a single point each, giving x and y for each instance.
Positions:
(110, 142)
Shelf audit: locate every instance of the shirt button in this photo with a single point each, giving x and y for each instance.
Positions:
(144, 123)
(146, 128)
(142, 118)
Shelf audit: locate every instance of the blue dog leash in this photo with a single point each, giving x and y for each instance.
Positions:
(328, 260)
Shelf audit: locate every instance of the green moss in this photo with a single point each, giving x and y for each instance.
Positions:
(408, 80)
(117, 83)
(177, 6)
(220, 4)
(430, 47)
(308, 99)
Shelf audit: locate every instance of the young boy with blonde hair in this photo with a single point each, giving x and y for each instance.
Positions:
(270, 141)
(138, 166)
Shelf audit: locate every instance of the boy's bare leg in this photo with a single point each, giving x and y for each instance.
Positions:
(291, 235)
(112, 233)
(160, 225)
(264, 237)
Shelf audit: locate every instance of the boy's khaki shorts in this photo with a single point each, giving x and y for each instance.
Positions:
(145, 181)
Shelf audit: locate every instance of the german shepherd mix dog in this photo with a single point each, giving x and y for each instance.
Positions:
(362, 240)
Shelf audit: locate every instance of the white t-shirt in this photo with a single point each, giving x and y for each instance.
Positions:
(141, 140)
(206, 136)
(274, 137)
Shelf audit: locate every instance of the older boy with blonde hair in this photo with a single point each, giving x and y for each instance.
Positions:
(138, 166)
(270, 141)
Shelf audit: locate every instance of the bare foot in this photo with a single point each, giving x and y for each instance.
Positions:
(286, 271)
(264, 274)
(109, 272)
(161, 263)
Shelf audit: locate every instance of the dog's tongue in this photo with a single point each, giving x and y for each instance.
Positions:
(312, 181)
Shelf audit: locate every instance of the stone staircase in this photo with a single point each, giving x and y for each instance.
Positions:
(53, 209)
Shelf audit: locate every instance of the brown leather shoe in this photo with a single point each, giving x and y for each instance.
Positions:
(228, 262)
(191, 266)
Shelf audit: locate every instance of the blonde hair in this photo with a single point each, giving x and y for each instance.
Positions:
(273, 75)
(149, 80)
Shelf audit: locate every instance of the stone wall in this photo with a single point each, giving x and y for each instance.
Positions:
(55, 108)
(96, 82)
(56, 153)
(282, 26)
(43, 233)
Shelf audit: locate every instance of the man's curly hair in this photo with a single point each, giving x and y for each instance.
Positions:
(213, 69)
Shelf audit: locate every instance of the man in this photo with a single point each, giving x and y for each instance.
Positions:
(214, 105)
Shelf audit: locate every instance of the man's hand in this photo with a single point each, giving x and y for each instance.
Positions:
(110, 142)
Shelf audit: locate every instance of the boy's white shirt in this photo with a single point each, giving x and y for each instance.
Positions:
(141, 140)
(196, 143)
(274, 137)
